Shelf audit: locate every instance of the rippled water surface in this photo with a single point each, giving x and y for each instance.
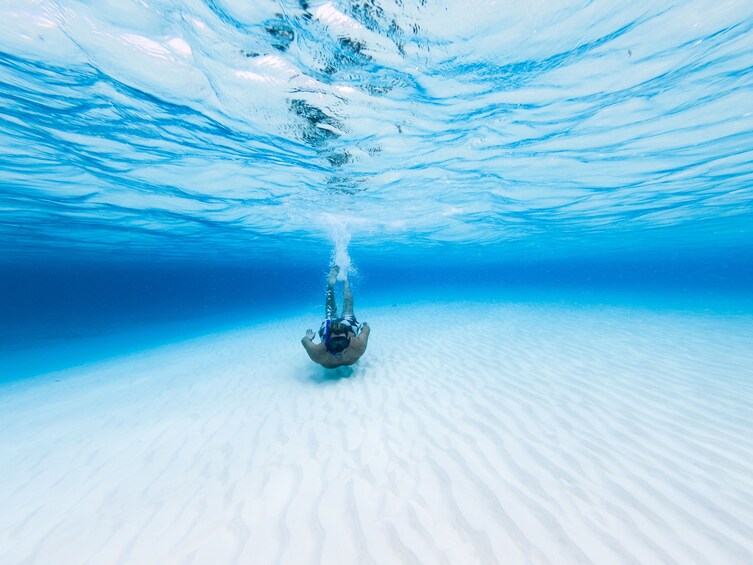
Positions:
(233, 127)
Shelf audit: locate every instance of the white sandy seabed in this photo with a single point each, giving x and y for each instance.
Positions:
(469, 433)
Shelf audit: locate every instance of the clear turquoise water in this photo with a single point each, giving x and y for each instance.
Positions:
(169, 160)
(547, 207)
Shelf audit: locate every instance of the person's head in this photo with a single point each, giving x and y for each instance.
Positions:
(337, 337)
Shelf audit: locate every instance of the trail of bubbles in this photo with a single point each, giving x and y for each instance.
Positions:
(339, 232)
(341, 238)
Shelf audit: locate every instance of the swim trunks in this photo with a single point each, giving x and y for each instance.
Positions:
(349, 321)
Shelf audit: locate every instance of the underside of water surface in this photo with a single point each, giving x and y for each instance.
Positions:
(232, 129)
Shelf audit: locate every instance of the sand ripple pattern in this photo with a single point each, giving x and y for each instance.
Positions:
(470, 433)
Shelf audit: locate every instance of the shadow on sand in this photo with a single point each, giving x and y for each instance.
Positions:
(320, 375)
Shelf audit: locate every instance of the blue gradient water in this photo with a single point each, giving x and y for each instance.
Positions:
(169, 160)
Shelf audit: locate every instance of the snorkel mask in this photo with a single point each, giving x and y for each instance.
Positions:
(336, 343)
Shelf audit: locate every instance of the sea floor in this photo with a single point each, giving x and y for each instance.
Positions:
(469, 433)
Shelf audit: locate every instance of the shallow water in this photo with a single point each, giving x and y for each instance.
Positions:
(545, 210)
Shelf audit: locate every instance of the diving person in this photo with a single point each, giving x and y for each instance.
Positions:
(342, 339)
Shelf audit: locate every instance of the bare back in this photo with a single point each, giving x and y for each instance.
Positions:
(357, 347)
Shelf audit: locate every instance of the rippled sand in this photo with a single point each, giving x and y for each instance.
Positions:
(468, 434)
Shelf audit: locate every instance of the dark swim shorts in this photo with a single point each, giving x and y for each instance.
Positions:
(349, 321)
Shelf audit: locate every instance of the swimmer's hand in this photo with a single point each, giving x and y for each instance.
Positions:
(310, 334)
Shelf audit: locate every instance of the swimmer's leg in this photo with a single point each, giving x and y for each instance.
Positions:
(347, 300)
(330, 305)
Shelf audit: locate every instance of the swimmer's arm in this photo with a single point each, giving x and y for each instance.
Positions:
(308, 344)
(363, 335)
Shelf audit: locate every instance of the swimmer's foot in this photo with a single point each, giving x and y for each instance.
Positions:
(333, 275)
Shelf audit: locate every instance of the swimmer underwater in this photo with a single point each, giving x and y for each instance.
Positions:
(342, 340)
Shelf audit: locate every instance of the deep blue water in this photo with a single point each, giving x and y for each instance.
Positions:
(171, 161)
